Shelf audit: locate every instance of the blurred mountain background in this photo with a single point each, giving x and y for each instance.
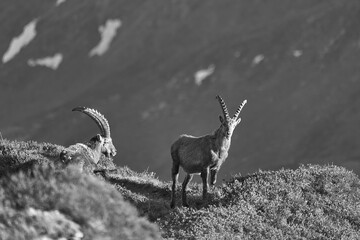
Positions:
(156, 74)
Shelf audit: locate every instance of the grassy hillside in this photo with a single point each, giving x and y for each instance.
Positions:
(311, 202)
(40, 201)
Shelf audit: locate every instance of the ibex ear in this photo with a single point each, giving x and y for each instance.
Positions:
(238, 121)
(221, 119)
(98, 137)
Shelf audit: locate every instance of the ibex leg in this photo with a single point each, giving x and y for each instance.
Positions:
(204, 177)
(174, 175)
(213, 176)
(184, 185)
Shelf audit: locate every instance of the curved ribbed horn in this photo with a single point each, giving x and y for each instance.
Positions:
(100, 120)
(223, 107)
(239, 109)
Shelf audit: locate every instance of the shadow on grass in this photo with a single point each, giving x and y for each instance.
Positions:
(195, 199)
(142, 188)
(153, 200)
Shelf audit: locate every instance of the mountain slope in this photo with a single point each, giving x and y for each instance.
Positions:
(296, 62)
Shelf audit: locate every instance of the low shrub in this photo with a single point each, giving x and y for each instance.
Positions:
(43, 202)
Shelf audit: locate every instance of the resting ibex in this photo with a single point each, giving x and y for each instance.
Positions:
(101, 143)
(83, 155)
(203, 154)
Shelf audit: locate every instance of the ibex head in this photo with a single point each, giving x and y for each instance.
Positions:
(228, 124)
(96, 141)
(108, 147)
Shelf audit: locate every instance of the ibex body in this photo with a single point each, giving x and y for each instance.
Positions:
(91, 151)
(83, 155)
(108, 147)
(204, 154)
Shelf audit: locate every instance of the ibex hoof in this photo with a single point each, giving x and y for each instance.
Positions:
(185, 205)
(172, 205)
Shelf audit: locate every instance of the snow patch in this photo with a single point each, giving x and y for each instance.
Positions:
(297, 53)
(202, 74)
(237, 54)
(108, 32)
(50, 62)
(21, 41)
(58, 2)
(258, 59)
(154, 111)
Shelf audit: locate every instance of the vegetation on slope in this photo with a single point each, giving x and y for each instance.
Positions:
(43, 202)
(311, 202)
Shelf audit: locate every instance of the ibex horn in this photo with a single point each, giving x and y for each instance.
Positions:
(223, 107)
(99, 119)
(239, 109)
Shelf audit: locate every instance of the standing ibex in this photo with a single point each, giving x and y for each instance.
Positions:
(91, 151)
(203, 154)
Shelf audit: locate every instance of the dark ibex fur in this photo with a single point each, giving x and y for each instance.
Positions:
(203, 154)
